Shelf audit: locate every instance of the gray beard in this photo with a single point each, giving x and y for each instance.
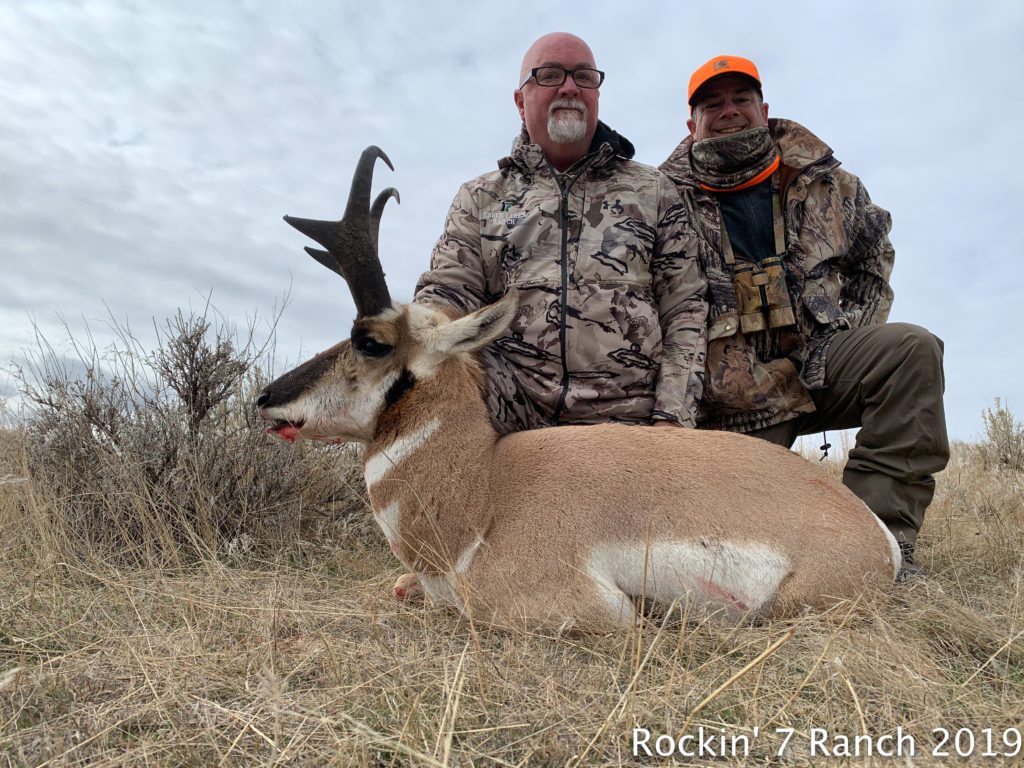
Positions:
(568, 129)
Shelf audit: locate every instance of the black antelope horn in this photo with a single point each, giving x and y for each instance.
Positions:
(378, 208)
(375, 212)
(323, 257)
(351, 243)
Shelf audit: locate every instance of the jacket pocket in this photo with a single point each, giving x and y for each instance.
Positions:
(526, 244)
(736, 381)
(822, 307)
(723, 325)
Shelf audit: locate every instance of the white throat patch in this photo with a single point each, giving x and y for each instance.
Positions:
(389, 456)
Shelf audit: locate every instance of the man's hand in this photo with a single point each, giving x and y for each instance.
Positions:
(665, 423)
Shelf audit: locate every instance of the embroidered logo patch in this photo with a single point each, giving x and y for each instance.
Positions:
(506, 214)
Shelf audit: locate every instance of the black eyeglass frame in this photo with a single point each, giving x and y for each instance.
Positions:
(565, 74)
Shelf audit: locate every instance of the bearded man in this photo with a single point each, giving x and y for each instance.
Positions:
(798, 259)
(612, 310)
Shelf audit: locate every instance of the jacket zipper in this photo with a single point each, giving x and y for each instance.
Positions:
(564, 295)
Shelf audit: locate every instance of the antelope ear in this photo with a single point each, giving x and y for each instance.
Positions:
(475, 330)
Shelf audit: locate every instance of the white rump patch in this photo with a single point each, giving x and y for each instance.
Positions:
(742, 579)
(894, 547)
(388, 457)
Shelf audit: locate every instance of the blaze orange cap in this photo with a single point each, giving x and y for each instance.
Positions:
(721, 65)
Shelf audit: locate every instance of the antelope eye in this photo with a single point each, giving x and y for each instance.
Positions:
(370, 347)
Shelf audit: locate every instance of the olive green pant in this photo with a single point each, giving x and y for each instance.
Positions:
(887, 380)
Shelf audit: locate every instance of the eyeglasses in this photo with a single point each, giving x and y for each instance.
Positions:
(552, 77)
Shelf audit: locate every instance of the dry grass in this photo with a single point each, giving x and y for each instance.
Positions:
(173, 618)
(302, 659)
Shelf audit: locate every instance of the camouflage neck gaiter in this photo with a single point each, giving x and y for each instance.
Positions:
(731, 162)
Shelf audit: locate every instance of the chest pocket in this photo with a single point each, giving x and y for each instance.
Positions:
(525, 244)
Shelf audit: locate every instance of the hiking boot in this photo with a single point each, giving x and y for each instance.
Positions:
(913, 575)
(910, 571)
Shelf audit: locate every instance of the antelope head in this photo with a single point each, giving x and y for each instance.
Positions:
(339, 395)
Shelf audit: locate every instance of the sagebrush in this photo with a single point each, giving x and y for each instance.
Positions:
(159, 456)
(1004, 444)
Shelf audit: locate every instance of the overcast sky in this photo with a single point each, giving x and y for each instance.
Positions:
(149, 150)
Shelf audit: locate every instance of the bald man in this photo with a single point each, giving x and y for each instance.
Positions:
(599, 250)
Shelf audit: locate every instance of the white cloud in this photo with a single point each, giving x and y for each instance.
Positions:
(150, 150)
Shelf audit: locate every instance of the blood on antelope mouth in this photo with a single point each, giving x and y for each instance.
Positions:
(285, 429)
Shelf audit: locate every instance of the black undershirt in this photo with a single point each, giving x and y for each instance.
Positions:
(748, 220)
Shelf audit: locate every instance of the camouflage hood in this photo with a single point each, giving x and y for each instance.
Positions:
(529, 157)
(837, 264)
(610, 325)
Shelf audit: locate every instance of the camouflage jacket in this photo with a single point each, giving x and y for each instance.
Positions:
(837, 265)
(611, 319)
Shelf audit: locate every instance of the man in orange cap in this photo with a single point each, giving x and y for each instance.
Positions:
(798, 260)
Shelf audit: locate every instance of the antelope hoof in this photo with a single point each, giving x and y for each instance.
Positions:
(408, 588)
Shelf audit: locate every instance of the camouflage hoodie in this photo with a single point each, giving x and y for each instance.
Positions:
(611, 319)
(838, 263)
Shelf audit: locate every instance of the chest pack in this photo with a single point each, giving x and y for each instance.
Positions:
(762, 293)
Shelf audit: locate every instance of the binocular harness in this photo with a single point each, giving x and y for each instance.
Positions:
(761, 290)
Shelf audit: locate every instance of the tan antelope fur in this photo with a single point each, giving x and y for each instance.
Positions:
(567, 527)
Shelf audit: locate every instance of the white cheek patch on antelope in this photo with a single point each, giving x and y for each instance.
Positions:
(739, 578)
(349, 410)
(388, 457)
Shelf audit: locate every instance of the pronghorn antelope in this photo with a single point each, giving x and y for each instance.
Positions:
(563, 527)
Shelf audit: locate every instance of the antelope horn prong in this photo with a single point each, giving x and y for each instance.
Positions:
(327, 233)
(351, 243)
(378, 208)
(325, 258)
